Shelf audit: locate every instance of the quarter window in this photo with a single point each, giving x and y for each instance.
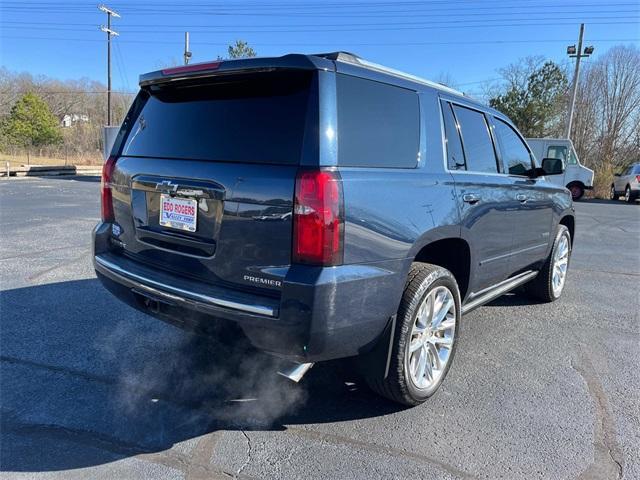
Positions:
(455, 155)
(476, 139)
(378, 124)
(514, 152)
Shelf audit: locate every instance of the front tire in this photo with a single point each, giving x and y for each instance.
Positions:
(612, 193)
(425, 336)
(550, 282)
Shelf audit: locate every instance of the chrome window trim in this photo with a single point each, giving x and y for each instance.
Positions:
(489, 130)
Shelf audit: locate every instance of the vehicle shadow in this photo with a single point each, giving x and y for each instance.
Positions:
(87, 380)
(516, 298)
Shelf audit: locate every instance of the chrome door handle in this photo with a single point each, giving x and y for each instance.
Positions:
(470, 198)
(521, 197)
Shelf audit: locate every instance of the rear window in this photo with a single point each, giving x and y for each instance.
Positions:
(259, 118)
(378, 124)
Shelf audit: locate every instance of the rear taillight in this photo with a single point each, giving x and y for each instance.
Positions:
(318, 223)
(638, 178)
(105, 189)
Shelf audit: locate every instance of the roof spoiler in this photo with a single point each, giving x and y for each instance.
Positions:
(229, 67)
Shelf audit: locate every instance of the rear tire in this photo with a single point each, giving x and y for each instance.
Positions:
(549, 284)
(629, 196)
(425, 336)
(577, 190)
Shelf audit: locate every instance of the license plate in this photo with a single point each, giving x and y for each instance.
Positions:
(178, 213)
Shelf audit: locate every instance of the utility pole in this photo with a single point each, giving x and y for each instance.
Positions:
(110, 33)
(187, 53)
(577, 54)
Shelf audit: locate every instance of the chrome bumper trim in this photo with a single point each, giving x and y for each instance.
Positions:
(158, 288)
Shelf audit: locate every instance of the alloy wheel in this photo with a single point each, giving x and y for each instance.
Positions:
(560, 265)
(432, 337)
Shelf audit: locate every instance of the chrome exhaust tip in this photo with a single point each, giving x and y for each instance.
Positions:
(295, 371)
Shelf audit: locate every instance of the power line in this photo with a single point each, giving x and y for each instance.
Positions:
(296, 44)
(264, 9)
(380, 27)
(191, 26)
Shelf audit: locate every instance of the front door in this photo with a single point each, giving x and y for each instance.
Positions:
(561, 152)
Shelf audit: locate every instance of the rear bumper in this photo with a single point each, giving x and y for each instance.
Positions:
(322, 313)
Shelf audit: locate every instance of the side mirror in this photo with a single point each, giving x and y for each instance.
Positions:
(552, 166)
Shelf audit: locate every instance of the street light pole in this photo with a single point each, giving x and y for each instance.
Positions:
(187, 52)
(577, 54)
(110, 13)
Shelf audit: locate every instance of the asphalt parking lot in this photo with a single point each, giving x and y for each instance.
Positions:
(92, 389)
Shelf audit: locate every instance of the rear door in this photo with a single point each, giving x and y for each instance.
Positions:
(532, 216)
(483, 193)
(204, 183)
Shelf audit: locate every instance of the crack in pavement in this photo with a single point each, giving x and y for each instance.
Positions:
(249, 450)
(607, 458)
(371, 447)
(630, 274)
(61, 264)
(200, 459)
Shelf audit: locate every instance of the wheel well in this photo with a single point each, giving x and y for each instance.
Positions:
(452, 254)
(575, 182)
(570, 223)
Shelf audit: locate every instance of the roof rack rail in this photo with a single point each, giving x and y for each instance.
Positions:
(356, 60)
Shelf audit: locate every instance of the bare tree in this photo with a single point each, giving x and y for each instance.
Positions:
(606, 130)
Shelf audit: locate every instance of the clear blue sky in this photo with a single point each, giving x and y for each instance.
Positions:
(467, 39)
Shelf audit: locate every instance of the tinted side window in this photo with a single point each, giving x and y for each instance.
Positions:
(514, 151)
(378, 124)
(455, 155)
(478, 147)
(636, 169)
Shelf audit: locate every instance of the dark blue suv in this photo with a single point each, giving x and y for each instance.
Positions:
(330, 208)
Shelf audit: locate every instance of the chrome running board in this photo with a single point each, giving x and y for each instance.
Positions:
(498, 290)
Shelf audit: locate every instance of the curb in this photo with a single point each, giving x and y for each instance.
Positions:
(46, 171)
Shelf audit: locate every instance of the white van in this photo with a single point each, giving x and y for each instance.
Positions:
(577, 178)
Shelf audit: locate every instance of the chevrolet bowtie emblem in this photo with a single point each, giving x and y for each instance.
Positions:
(166, 187)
